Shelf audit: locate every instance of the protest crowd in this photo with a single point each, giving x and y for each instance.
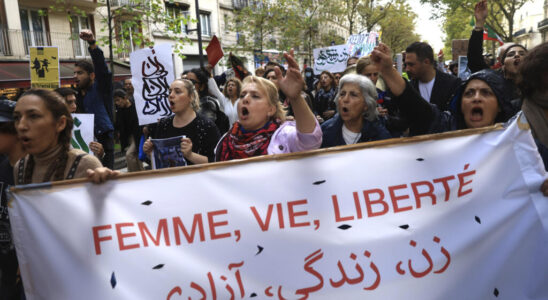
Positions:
(275, 110)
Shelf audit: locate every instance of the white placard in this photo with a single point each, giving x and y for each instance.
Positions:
(82, 131)
(152, 73)
(332, 59)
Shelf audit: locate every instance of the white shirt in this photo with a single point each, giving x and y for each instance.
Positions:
(349, 136)
(426, 89)
(230, 110)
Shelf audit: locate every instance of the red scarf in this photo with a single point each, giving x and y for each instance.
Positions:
(239, 144)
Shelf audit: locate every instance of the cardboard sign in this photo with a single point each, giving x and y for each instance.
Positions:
(44, 67)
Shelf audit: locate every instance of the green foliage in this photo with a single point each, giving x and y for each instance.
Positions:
(257, 24)
(134, 22)
(291, 24)
(500, 18)
(456, 26)
(398, 26)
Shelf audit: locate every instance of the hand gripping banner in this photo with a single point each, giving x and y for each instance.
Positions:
(449, 216)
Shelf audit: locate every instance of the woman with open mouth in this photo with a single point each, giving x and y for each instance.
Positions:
(44, 127)
(261, 128)
(478, 102)
(357, 118)
(199, 134)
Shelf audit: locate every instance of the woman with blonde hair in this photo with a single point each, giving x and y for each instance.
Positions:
(261, 128)
(200, 135)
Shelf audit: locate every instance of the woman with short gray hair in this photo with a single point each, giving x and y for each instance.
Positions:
(356, 120)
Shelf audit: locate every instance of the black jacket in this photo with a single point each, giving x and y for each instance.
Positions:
(443, 90)
(332, 132)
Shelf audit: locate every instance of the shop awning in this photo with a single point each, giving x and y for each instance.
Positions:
(16, 74)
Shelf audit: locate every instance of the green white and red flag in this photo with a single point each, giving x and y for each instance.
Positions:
(488, 33)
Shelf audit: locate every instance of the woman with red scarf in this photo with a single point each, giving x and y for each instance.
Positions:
(261, 128)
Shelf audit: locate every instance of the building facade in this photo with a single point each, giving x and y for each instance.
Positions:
(543, 25)
(25, 23)
(526, 22)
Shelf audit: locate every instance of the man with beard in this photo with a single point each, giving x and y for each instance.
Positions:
(509, 56)
(94, 83)
(434, 86)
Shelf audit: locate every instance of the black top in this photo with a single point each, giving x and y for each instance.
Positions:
(8, 259)
(127, 125)
(202, 132)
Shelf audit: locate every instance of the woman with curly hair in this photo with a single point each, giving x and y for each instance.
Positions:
(44, 127)
(231, 92)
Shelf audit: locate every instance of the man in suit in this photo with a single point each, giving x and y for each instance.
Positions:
(434, 86)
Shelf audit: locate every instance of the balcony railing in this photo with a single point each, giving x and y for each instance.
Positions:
(239, 4)
(126, 3)
(543, 23)
(519, 32)
(16, 43)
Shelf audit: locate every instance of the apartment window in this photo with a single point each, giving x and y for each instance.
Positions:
(176, 11)
(77, 24)
(204, 23)
(125, 37)
(226, 20)
(33, 26)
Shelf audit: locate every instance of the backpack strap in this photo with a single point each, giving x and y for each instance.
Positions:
(74, 166)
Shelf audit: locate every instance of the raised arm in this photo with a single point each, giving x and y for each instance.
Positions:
(416, 110)
(291, 85)
(475, 44)
(214, 90)
(97, 56)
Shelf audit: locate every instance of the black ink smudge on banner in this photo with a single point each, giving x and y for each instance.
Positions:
(477, 219)
(260, 250)
(420, 159)
(344, 226)
(148, 202)
(404, 226)
(157, 267)
(113, 280)
(496, 292)
(319, 182)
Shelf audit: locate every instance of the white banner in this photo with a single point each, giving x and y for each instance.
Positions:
(82, 131)
(452, 218)
(332, 59)
(362, 44)
(152, 72)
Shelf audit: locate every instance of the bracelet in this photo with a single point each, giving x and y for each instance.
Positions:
(91, 43)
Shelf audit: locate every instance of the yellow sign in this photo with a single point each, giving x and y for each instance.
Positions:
(44, 67)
